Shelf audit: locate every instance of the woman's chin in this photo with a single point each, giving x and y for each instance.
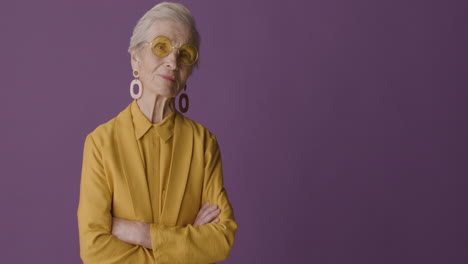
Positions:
(164, 91)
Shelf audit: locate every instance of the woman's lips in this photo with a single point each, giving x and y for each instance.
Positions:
(167, 77)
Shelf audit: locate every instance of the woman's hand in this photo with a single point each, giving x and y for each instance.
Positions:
(206, 214)
(132, 232)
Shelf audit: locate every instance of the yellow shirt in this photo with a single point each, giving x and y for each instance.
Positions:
(155, 145)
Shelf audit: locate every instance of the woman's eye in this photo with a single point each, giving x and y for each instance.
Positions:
(162, 47)
(184, 54)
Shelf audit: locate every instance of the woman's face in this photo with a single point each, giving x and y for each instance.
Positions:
(164, 76)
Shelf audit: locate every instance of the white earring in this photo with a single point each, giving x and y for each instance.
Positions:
(136, 82)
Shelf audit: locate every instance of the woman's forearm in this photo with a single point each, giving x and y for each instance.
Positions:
(138, 233)
(132, 232)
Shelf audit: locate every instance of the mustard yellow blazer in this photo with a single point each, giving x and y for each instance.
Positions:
(113, 184)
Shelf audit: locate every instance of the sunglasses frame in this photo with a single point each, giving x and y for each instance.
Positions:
(172, 48)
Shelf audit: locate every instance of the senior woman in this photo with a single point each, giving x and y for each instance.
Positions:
(151, 183)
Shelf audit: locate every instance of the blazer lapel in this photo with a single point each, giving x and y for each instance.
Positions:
(180, 165)
(132, 166)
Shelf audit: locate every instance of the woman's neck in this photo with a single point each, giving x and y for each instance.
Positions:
(155, 107)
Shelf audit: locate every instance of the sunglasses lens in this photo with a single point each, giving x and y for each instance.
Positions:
(161, 46)
(188, 54)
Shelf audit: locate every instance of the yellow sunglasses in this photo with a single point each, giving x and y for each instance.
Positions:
(162, 46)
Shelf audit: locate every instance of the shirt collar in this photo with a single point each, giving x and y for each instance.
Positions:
(142, 125)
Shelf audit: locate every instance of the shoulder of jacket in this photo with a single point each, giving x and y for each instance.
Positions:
(104, 132)
(199, 130)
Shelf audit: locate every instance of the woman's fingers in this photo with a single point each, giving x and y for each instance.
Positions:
(199, 214)
(206, 214)
(207, 211)
(212, 215)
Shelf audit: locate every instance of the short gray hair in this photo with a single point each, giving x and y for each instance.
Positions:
(163, 11)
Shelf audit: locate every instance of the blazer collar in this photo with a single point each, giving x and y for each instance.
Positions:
(132, 167)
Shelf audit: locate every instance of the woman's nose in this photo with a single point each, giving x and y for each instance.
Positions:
(171, 60)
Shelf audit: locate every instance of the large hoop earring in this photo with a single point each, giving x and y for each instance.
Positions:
(181, 98)
(136, 82)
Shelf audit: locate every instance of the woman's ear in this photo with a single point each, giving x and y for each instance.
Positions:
(135, 59)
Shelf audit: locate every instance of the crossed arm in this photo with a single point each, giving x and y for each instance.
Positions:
(104, 239)
(138, 233)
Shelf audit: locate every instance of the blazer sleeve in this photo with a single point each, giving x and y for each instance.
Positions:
(97, 244)
(207, 243)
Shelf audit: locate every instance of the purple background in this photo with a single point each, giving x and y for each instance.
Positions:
(342, 124)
